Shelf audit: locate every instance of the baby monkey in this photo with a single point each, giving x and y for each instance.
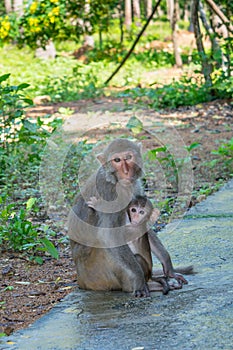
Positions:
(141, 212)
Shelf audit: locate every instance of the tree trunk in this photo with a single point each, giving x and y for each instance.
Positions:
(222, 32)
(206, 67)
(219, 27)
(173, 14)
(170, 9)
(8, 6)
(186, 12)
(120, 8)
(136, 9)
(220, 14)
(148, 8)
(49, 52)
(128, 14)
(18, 7)
(88, 39)
(216, 50)
(177, 8)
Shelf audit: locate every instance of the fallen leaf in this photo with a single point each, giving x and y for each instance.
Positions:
(66, 288)
(156, 315)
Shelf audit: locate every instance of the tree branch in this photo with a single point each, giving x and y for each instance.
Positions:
(134, 44)
(220, 14)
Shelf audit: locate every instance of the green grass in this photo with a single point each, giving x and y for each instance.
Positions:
(65, 78)
(69, 79)
(24, 67)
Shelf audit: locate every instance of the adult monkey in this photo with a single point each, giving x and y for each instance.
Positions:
(112, 266)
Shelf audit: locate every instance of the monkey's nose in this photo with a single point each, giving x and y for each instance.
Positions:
(125, 167)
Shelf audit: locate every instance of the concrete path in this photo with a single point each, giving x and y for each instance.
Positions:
(200, 316)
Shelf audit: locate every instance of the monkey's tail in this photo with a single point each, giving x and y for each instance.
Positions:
(183, 270)
(186, 270)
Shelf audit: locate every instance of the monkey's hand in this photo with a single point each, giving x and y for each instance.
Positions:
(154, 215)
(93, 203)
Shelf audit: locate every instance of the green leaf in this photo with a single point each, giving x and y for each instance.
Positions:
(22, 86)
(50, 247)
(10, 288)
(135, 125)
(192, 146)
(151, 154)
(29, 101)
(4, 77)
(38, 260)
(30, 203)
(29, 126)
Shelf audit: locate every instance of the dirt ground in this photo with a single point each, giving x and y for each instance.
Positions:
(28, 290)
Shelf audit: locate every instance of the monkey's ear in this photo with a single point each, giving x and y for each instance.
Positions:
(101, 158)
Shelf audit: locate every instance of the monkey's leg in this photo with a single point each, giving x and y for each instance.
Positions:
(144, 265)
(162, 281)
(129, 271)
(155, 286)
(164, 257)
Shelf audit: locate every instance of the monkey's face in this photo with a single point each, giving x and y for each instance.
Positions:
(124, 165)
(137, 215)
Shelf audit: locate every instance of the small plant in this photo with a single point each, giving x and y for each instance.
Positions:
(225, 151)
(179, 93)
(22, 142)
(20, 234)
(208, 189)
(167, 161)
(224, 157)
(224, 87)
(83, 82)
(41, 21)
(12, 104)
(135, 125)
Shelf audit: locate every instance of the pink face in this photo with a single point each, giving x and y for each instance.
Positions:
(124, 164)
(137, 215)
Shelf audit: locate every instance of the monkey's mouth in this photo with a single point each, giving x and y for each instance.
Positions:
(134, 223)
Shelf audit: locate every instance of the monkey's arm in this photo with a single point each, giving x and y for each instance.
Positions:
(162, 254)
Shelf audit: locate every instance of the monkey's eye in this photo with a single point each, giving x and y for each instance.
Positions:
(134, 210)
(142, 212)
(128, 157)
(117, 160)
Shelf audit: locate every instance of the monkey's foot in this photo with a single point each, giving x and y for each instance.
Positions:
(142, 293)
(179, 278)
(164, 284)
